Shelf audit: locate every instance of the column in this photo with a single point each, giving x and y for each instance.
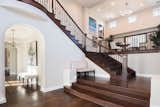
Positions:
(124, 67)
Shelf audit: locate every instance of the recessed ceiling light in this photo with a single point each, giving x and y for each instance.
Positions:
(112, 3)
(141, 4)
(98, 10)
(110, 16)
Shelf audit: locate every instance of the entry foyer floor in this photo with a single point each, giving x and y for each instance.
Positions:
(23, 96)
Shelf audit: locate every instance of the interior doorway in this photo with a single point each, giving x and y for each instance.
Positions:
(24, 53)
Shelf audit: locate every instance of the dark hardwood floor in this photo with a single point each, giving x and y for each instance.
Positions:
(23, 96)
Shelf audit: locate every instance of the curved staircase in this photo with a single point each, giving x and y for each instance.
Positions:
(103, 94)
(109, 64)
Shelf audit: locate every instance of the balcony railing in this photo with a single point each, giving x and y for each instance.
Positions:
(136, 42)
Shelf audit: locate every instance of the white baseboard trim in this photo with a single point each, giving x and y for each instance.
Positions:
(144, 75)
(44, 90)
(3, 100)
(154, 105)
(147, 75)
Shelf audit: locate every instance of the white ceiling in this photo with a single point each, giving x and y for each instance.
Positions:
(89, 3)
(110, 9)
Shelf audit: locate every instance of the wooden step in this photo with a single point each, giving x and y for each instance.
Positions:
(109, 64)
(140, 94)
(111, 97)
(97, 101)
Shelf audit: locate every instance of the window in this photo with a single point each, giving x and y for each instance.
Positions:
(136, 40)
(113, 24)
(132, 19)
(156, 11)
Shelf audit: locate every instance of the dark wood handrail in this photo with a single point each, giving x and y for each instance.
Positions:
(134, 33)
(70, 17)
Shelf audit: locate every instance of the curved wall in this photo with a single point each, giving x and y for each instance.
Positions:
(59, 50)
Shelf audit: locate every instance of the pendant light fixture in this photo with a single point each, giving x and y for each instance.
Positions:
(127, 10)
(13, 38)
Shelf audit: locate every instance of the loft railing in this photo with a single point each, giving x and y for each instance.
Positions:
(137, 42)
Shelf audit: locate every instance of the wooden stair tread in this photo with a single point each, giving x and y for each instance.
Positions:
(110, 96)
(117, 89)
(109, 64)
(90, 98)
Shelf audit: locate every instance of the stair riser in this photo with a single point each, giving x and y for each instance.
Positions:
(90, 98)
(120, 90)
(112, 97)
(109, 64)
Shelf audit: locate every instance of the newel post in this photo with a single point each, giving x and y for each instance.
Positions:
(125, 67)
(85, 41)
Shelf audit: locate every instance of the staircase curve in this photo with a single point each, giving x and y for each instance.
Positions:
(57, 13)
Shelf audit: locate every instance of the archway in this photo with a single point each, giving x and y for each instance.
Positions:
(24, 56)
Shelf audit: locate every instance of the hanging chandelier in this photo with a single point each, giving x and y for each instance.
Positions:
(127, 10)
(13, 44)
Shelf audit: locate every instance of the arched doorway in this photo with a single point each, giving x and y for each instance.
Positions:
(24, 57)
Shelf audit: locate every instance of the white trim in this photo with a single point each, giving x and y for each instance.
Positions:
(145, 75)
(154, 105)
(148, 75)
(3, 100)
(44, 90)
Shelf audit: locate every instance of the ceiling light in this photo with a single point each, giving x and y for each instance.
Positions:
(112, 3)
(98, 10)
(141, 4)
(13, 37)
(127, 10)
(109, 17)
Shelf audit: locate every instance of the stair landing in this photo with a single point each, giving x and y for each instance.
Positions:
(138, 83)
(114, 93)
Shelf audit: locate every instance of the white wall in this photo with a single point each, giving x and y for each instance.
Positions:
(145, 19)
(145, 64)
(75, 10)
(58, 52)
(155, 87)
